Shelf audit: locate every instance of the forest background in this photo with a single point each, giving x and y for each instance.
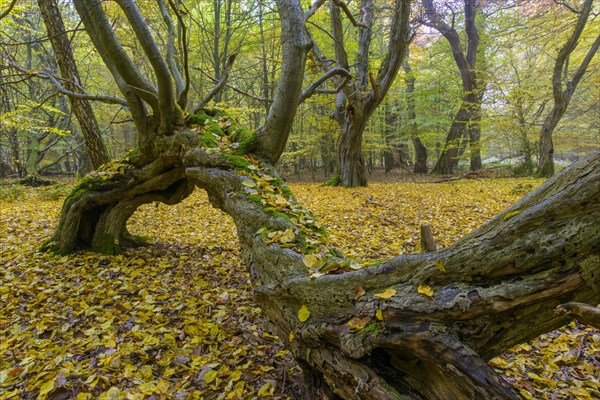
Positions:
(518, 44)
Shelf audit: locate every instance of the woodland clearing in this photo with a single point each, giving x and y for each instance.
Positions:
(176, 319)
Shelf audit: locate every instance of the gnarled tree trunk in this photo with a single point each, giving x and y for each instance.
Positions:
(370, 333)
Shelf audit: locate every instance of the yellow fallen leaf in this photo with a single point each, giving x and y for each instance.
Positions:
(148, 387)
(291, 336)
(210, 376)
(511, 214)
(358, 323)
(426, 290)
(359, 292)
(379, 314)
(310, 260)
(303, 313)
(439, 264)
(46, 388)
(386, 294)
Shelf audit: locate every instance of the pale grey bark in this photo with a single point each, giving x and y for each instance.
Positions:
(272, 137)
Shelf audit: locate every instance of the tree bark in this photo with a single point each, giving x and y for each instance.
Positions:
(561, 96)
(351, 163)
(68, 69)
(493, 289)
(357, 102)
(466, 123)
(420, 150)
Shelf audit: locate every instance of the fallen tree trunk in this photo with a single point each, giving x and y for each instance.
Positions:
(415, 326)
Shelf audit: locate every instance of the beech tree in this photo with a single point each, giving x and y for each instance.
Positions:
(359, 98)
(411, 327)
(466, 126)
(561, 95)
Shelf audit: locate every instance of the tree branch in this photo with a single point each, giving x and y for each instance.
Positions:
(312, 10)
(166, 96)
(175, 73)
(9, 9)
(61, 89)
(346, 10)
(182, 96)
(313, 88)
(584, 313)
(218, 87)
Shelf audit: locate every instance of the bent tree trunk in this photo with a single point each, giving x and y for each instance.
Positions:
(95, 214)
(377, 332)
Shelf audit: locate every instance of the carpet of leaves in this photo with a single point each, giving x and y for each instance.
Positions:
(175, 320)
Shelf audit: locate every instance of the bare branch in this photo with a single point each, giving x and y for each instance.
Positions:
(313, 9)
(235, 89)
(218, 87)
(166, 98)
(567, 5)
(346, 10)
(182, 96)
(313, 88)
(61, 89)
(179, 82)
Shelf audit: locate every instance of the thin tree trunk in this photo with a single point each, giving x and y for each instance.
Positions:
(420, 150)
(561, 96)
(81, 108)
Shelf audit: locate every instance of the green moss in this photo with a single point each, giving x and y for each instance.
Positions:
(237, 161)
(546, 171)
(244, 138)
(207, 139)
(108, 245)
(255, 198)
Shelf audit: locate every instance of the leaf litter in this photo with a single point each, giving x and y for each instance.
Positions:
(175, 320)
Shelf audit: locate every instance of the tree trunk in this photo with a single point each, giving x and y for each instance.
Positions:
(420, 157)
(95, 214)
(68, 69)
(420, 150)
(562, 97)
(351, 163)
(546, 156)
(449, 157)
(370, 333)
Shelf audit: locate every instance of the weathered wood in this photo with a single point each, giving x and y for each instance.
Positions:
(498, 288)
(427, 242)
(584, 313)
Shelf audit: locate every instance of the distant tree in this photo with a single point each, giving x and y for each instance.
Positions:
(80, 105)
(562, 94)
(357, 101)
(466, 126)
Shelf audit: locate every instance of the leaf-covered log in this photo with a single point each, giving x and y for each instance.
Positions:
(416, 326)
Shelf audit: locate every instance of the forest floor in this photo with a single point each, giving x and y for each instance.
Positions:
(176, 320)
